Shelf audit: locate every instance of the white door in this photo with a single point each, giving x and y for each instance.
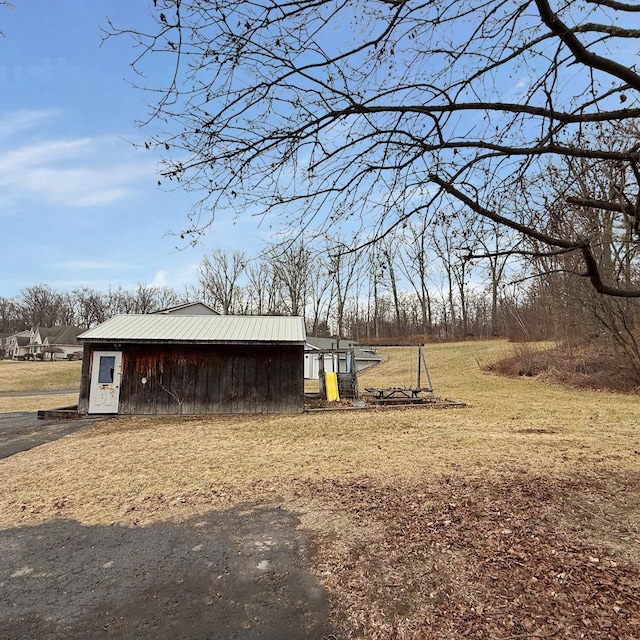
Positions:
(105, 382)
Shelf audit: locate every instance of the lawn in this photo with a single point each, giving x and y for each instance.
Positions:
(516, 517)
(17, 375)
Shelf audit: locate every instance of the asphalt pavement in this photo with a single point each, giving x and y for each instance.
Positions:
(21, 431)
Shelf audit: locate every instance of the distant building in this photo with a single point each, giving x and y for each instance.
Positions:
(49, 343)
(17, 344)
(349, 356)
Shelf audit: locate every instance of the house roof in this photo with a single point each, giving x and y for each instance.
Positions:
(159, 328)
(21, 334)
(64, 334)
(189, 308)
(329, 343)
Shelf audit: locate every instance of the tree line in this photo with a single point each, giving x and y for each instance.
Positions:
(426, 282)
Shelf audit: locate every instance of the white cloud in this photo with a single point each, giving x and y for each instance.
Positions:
(159, 279)
(15, 162)
(79, 172)
(25, 119)
(178, 272)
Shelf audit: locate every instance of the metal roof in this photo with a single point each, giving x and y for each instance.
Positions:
(198, 329)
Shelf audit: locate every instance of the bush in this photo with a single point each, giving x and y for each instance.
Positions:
(591, 365)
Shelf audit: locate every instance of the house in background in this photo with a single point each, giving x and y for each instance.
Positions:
(205, 364)
(56, 343)
(349, 356)
(43, 342)
(190, 309)
(17, 344)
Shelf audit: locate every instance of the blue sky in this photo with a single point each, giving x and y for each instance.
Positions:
(79, 204)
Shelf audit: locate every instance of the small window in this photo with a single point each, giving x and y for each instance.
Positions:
(107, 366)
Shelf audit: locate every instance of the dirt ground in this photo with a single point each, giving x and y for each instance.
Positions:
(230, 574)
(487, 557)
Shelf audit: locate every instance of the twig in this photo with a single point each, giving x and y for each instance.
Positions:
(591, 513)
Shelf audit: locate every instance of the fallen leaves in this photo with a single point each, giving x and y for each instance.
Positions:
(477, 559)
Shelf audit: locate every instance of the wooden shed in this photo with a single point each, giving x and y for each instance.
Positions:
(187, 365)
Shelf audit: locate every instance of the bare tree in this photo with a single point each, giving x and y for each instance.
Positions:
(40, 306)
(90, 305)
(167, 297)
(319, 287)
(590, 200)
(415, 258)
(9, 5)
(498, 245)
(290, 264)
(219, 274)
(145, 298)
(119, 301)
(411, 106)
(262, 290)
(344, 269)
(9, 316)
(389, 252)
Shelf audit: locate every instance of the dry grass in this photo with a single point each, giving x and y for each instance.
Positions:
(39, 376)
(350, 474)
(523, 426)
(35, 403)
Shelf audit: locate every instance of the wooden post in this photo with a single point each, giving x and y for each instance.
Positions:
(426, 370)
(322, 388)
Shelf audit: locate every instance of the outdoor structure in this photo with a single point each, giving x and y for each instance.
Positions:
(344, 356)
(56, 342)
(346, 379)
(17, 344)
(174, 364)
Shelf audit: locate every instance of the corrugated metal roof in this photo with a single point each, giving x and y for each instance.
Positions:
(211, 329)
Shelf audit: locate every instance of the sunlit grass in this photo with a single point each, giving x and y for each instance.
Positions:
(39, 376)
(36, 403)
(522, 425)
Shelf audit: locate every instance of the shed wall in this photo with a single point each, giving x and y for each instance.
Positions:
(210, 379)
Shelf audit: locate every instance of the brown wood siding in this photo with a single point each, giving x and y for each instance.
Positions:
(83, 398)
(209, 379)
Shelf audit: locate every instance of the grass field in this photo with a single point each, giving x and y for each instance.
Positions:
(518, 516)
(39, 376)
(19, 376)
